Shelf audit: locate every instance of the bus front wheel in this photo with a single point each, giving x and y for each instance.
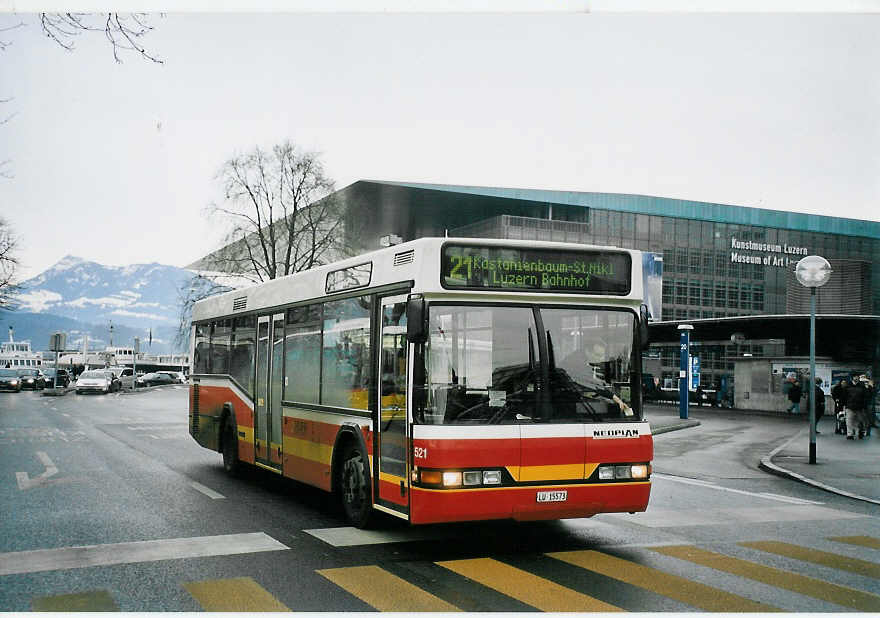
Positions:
(355, 487)
(230, 449)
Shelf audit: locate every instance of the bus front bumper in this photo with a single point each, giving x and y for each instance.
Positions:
(522, 502)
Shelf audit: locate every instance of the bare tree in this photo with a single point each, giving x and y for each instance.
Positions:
(192, 291)
(281, 214)
(124, 32)
(8, 265)
(282, 218)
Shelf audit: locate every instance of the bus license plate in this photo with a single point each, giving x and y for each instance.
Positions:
(553, 496)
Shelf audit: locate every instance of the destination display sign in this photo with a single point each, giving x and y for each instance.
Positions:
(550, 270)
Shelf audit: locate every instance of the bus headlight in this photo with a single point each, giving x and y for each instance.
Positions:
(491, 477)
(625, 472)
(451, 479)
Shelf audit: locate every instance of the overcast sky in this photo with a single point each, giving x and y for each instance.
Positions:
(116, 162)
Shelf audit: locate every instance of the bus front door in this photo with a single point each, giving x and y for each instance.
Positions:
(392, 479)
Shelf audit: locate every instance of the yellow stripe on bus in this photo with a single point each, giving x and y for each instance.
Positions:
(559, 472)
(809, 586)
(385, 591)
(239, 594)
(307, 449)
(538, 592)
(861, 541)
(672, 586)
(807, 554)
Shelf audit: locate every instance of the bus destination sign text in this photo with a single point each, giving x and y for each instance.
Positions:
(506, 268)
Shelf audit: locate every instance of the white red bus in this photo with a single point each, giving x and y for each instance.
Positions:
(444, 379)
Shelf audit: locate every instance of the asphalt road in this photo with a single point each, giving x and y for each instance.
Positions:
(108, 504)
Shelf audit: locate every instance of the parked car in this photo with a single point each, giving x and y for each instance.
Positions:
(155, 379)
(60, 377)
(97, 381)
(32, 378)
(125, 375)
(9, 380)
(177, 376)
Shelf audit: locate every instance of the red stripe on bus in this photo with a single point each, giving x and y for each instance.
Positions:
(467, 453)
(307, 471)
(621, 449)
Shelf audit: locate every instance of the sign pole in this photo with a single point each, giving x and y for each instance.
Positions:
(683, 366)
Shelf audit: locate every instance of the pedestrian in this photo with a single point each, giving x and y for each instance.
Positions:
(794, 396)
(867, 413)
(820, 402)
(855, 406)
(837, 393)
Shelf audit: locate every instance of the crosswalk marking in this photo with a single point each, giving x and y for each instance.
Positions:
(347, 536)
(385, 591)
(668, 518)
(239, 594)
(38, 560)
(538, 592)
(862, 541)
(94, 601)
(672, 586)
(818, 589)
(808, 554)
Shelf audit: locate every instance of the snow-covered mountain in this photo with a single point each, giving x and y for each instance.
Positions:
(90, 292)
(82, 297)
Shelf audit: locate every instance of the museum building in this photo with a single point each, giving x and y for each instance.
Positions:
(723, 265)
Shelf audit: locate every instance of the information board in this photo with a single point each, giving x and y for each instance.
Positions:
(591, 271)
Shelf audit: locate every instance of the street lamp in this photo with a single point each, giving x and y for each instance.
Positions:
(813, 272)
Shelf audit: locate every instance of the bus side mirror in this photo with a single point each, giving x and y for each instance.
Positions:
(643, 327)
(416, 320)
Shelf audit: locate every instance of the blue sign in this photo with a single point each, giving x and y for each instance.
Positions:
(695, 372)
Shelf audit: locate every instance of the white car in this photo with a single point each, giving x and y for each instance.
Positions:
(125, 375)
(97, 381)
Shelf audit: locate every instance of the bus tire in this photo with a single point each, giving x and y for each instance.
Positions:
(229, 448)
(354, 486)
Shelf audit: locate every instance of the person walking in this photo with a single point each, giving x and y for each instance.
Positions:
(867, 414)
(794, 396)
(855, 405)
(819, 394)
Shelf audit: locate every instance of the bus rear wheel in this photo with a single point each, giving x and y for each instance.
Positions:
(230, 449)
(355, 487)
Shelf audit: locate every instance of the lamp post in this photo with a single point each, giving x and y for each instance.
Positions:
(684, 363)
(813, 272)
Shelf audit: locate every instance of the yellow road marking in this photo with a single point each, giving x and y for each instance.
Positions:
(840, 595)
(672, 586)
(385, 591)
(835, 561)
(95, 601)
(862, 541)
(530, 589)
(239, 594)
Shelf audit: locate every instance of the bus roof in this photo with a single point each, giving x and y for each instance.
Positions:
(416, 262)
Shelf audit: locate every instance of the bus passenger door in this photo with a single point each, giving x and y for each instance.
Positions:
(267, 409)
(392, 428)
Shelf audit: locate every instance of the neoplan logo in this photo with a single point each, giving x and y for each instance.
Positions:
(601, 434)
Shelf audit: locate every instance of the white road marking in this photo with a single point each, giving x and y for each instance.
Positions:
(139, 551)
(24, 482)
(766, 496)
(347, 536)
(63, 414)
(670, 518)
(207, 491)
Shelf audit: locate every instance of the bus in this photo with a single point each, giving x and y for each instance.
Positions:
(439, 380)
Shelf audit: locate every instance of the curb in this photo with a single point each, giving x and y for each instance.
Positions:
(766, 464)
(675, 427)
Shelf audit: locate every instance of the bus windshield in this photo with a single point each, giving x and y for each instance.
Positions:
(519, 364)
